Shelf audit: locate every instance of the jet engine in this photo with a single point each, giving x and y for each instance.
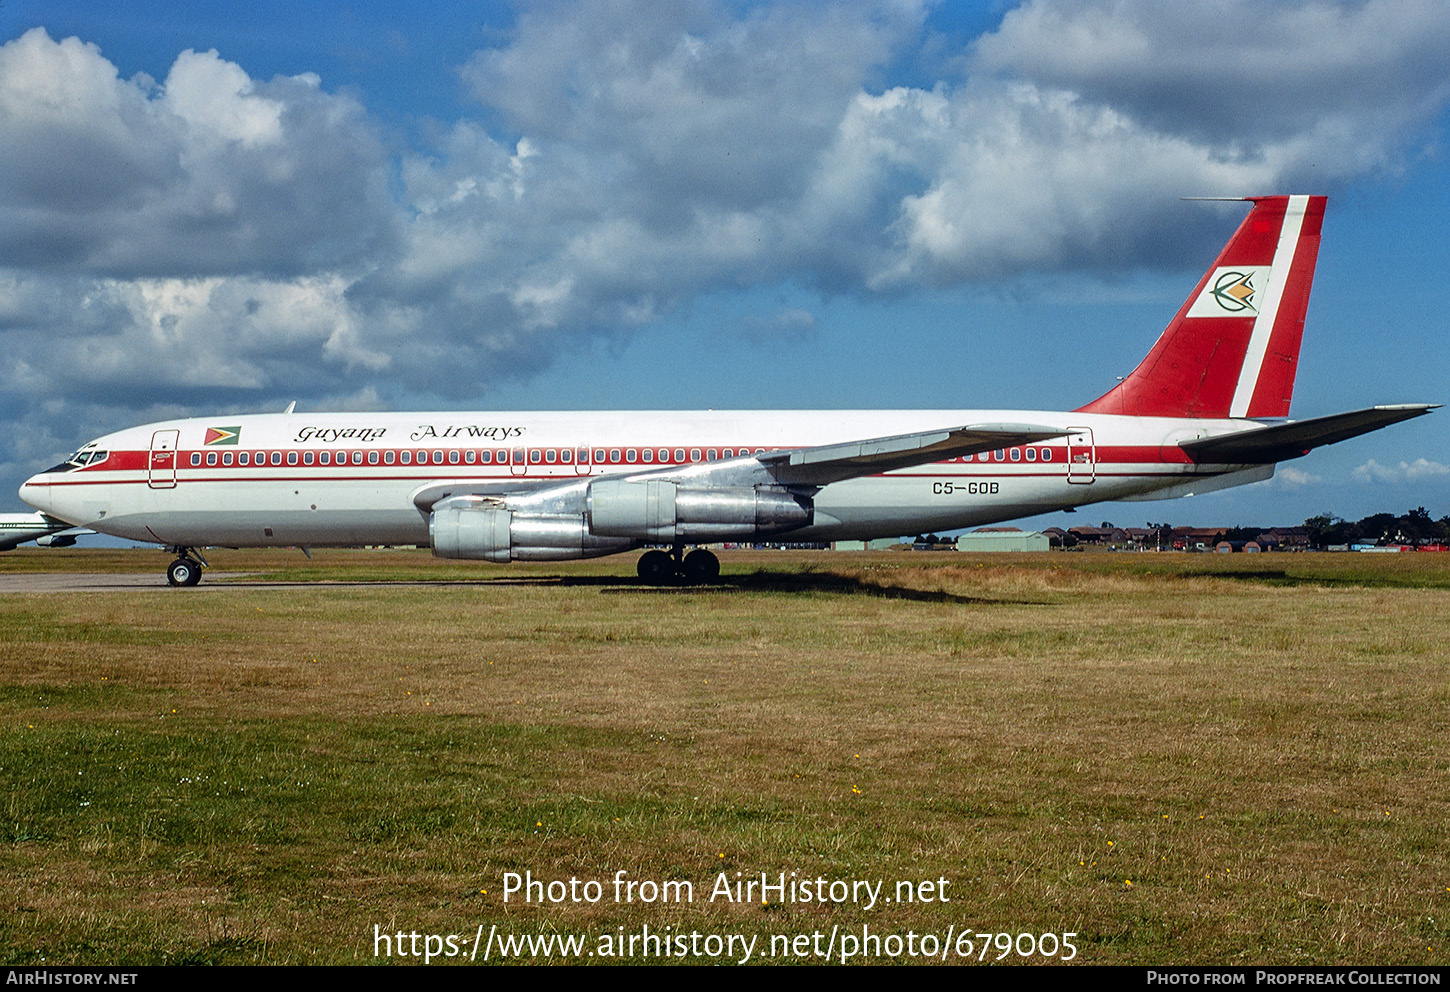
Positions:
(660, 510)
(469, 529)
(56, 541)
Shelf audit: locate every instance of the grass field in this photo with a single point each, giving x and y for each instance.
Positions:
(1180, 758)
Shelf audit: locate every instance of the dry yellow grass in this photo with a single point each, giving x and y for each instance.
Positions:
(1180, 758)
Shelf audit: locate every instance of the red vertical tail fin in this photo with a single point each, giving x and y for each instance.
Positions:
(1233, 348)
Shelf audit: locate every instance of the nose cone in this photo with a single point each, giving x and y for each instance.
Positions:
(35, 494)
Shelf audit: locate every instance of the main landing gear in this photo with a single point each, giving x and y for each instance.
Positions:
(697, 568)
(186, 569)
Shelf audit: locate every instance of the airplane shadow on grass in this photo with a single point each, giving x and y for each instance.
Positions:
(763, 580)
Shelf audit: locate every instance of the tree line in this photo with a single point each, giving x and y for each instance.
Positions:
(1412, 527)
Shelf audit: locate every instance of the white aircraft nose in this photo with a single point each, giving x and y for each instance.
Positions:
(36, 495)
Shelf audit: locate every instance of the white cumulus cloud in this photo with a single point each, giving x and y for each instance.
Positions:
(217, 238)
(1420, 468)
(212, 174)
(1290, 477)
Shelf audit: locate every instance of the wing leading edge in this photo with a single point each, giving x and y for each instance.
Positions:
(822, 465)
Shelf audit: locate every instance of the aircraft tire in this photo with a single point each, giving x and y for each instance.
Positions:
(183, 572)
(656, 567)
(700, 567)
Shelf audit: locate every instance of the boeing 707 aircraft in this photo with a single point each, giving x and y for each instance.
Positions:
(1204, 411)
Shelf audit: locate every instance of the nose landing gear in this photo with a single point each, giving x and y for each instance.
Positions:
(186, 569)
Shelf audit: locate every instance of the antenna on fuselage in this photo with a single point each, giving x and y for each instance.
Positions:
(290, 407)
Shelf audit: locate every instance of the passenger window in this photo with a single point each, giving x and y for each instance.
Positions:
(372, 457)
(291, 458)
(195, 458)
(406, 457)
(323, 458)
(210, 458)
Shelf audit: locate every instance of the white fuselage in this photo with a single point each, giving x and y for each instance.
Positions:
(352, 479)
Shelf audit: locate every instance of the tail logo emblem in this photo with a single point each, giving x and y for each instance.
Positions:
(1234, 291)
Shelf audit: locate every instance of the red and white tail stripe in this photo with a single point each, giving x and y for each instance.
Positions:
(1233, 348)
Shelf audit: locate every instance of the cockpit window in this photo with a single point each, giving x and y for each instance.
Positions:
(71, 464)
(79, 460)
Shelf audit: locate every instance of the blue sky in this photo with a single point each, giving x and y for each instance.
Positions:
(212, 208)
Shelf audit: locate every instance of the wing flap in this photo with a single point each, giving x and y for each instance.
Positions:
(1284, 441)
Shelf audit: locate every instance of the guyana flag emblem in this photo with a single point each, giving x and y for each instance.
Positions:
(222, 435)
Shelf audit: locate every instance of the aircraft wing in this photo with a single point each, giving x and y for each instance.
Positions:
(829, 463)
(1284, 441)
(814, 466)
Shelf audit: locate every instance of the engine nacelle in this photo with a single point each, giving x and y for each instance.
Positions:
(659, 510)
(56, 541)
(467, 529)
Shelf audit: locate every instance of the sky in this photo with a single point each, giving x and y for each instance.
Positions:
(213, 208)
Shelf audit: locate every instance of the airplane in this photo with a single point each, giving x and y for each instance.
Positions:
(17, 528)
(1205, 410)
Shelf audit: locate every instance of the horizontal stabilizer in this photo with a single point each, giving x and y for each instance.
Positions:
(829, 463)
(1282, 441)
